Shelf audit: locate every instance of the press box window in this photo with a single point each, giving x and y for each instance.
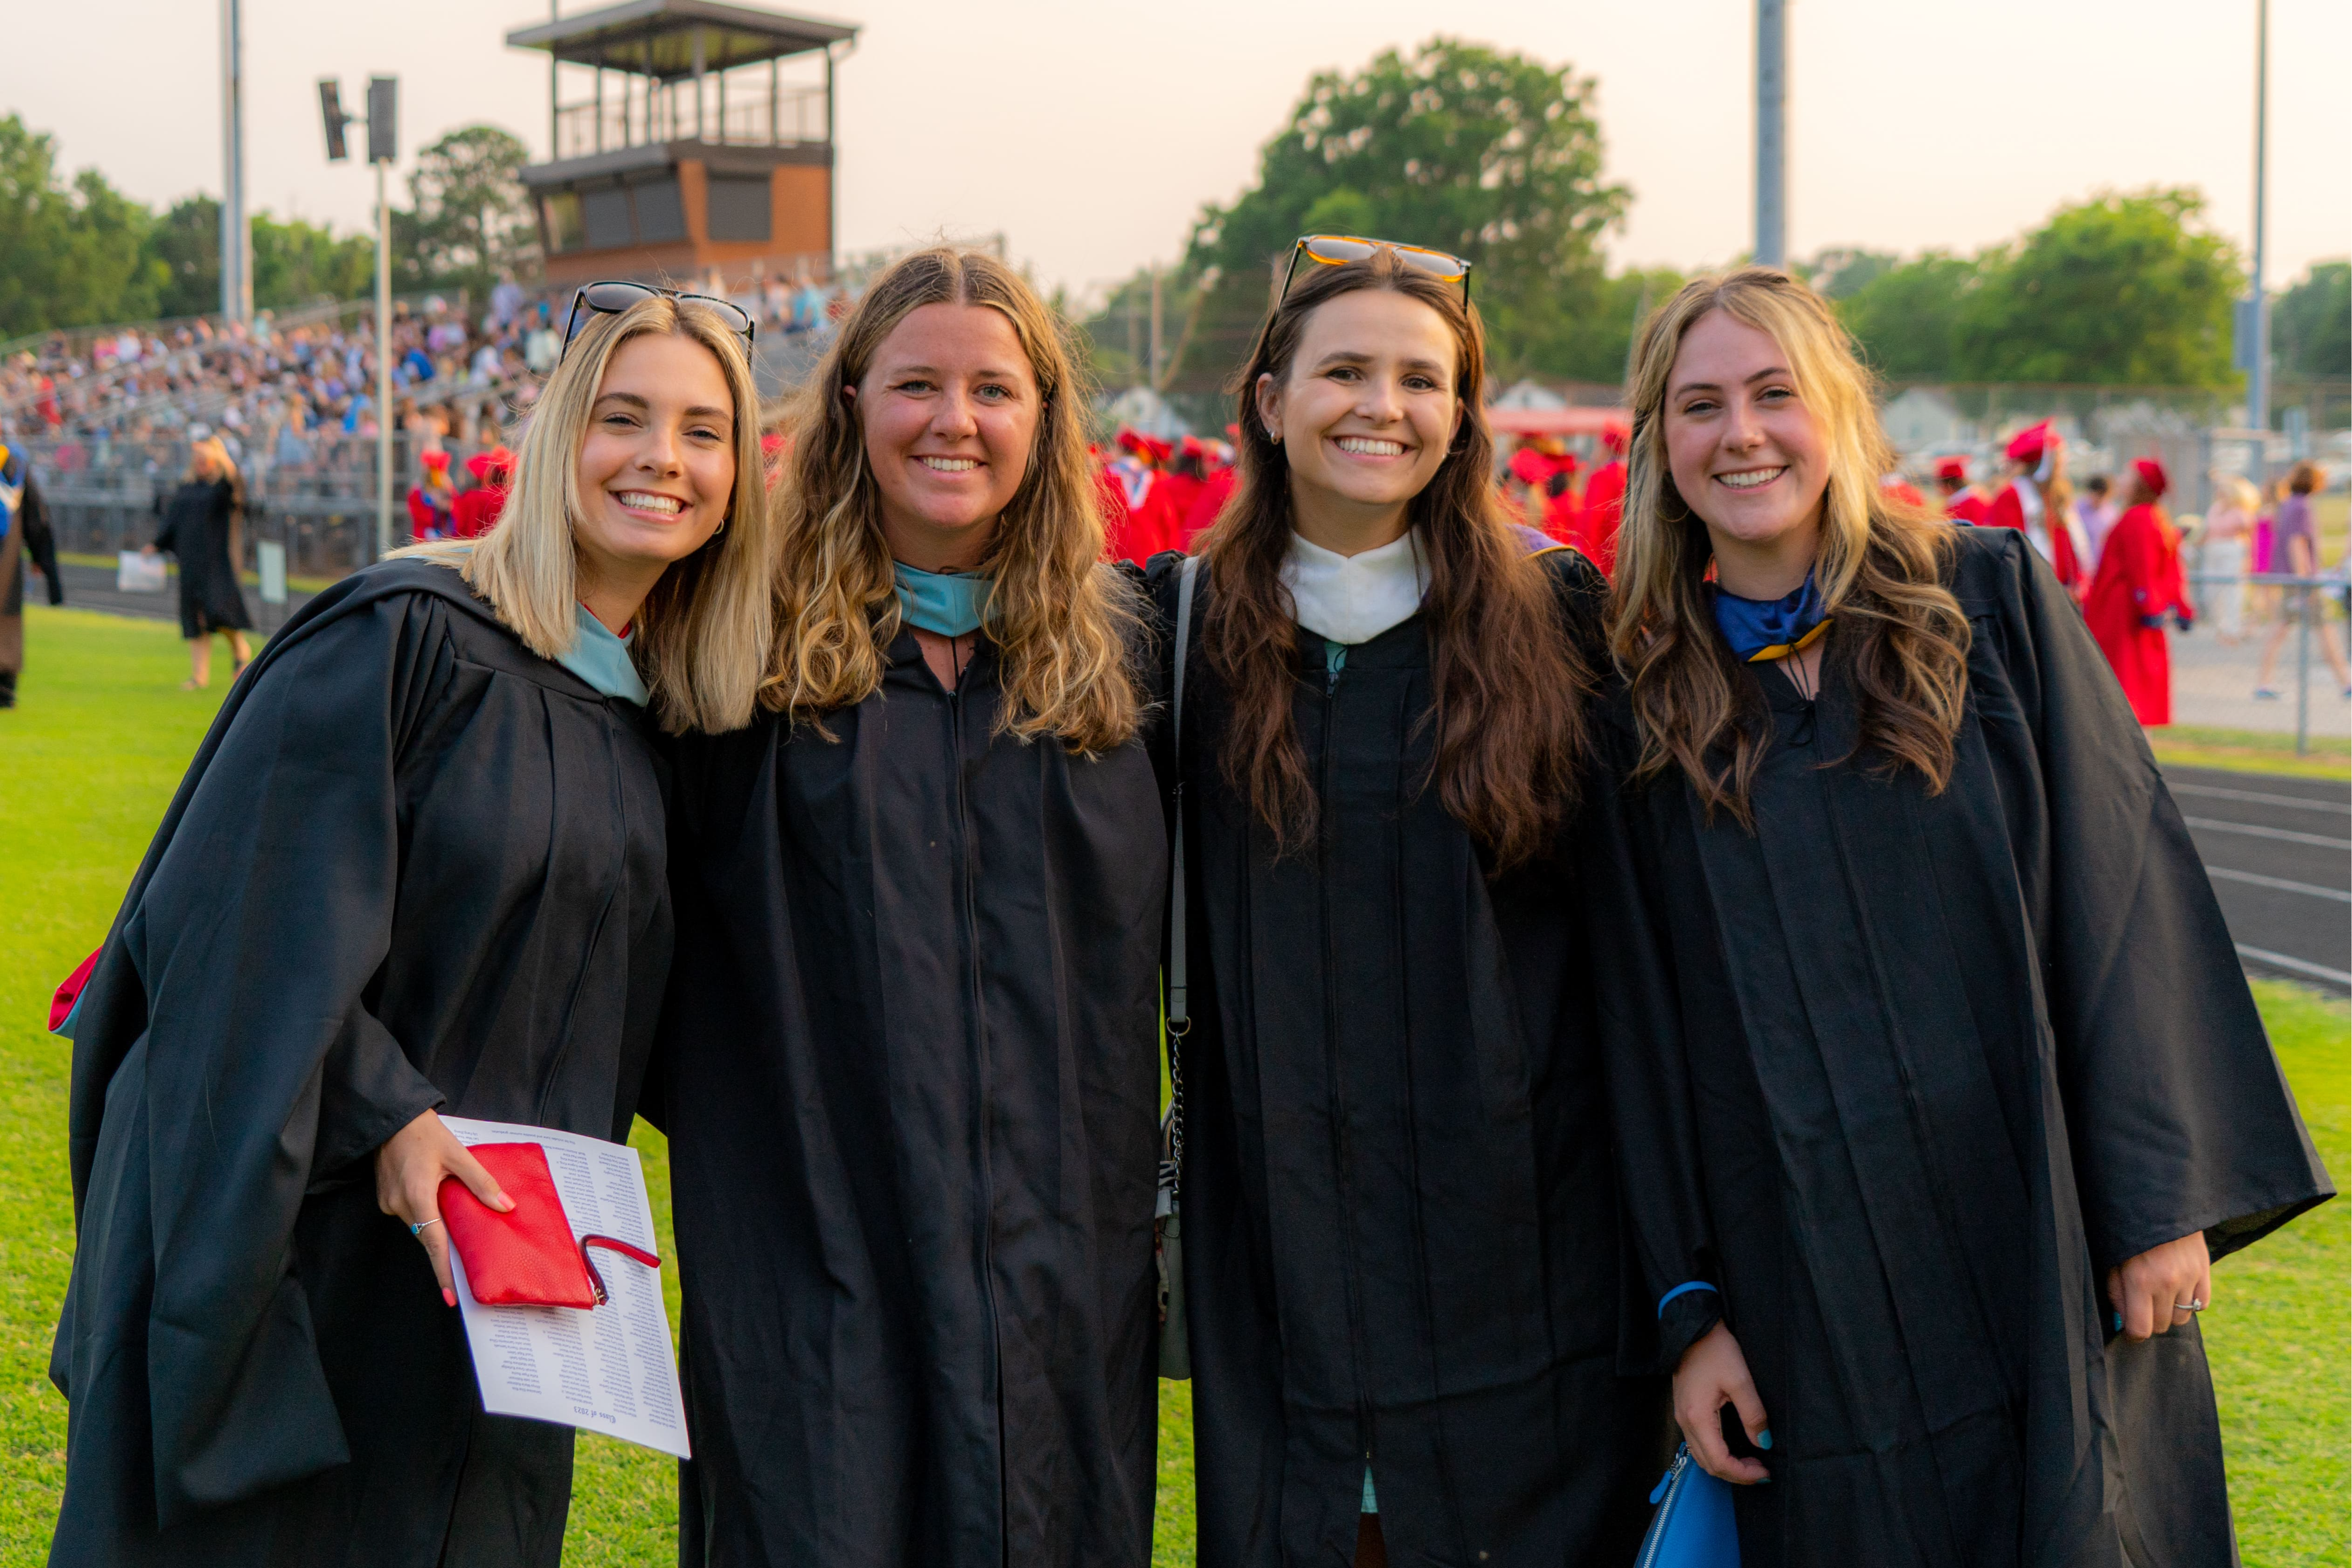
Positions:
(605, 217)
(561, 212)
(661, 215)
(738, 207)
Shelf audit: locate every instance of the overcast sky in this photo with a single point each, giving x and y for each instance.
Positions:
(1090, 131)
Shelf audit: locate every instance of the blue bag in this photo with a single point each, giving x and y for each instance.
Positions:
(1693, 1527)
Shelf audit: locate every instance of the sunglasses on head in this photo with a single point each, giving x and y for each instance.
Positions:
(609, 298)
(1339, 249)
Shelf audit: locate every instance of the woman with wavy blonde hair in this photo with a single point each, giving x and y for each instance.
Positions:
(1938, 1085)
(910, 1075)
(417, 867)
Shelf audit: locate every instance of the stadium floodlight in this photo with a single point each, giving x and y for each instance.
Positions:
(383, 118)
(330, 109)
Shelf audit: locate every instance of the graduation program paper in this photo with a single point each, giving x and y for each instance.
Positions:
(610, 1369)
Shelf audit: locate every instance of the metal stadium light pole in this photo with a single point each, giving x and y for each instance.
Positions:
(384, 142)
(2257, 350)
(236, 237)
(1771, 133)
(383, 108)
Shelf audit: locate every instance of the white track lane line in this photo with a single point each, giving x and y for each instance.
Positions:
(2317, 840)
(2214, 792)
(2293, 965)
(2281, 883)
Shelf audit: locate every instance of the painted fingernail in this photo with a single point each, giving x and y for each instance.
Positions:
(448, 1296)
(1764, 1439)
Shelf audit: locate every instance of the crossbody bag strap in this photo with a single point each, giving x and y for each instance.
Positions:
(1180, 1016)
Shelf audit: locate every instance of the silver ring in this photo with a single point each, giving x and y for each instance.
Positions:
(419, 1229)
(2188, 1306)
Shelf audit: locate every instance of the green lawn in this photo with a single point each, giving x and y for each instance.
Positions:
(89, 759)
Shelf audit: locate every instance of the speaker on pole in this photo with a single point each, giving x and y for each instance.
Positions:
(330, 109)
(383, 118)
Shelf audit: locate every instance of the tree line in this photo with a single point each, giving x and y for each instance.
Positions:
(1497, 157)
(77, 252)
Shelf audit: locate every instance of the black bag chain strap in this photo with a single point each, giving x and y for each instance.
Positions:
(1175, 1357)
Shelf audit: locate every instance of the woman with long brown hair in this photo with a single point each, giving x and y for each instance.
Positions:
(1398, 1210)
(911, 1064)
(1938, 1084)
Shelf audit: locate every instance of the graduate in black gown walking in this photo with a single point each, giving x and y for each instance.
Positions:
(203, 522)
(1939, 1083)
(417, 866)
(1400, 1216)
(910, 1058)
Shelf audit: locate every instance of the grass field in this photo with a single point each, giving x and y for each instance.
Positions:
(88, 760)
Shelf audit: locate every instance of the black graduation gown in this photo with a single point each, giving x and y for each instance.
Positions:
(911, 1086)
(1905, 1075)
(412, 865)
(199, 524)
(1400, 1237)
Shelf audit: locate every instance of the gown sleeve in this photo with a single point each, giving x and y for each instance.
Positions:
(1675, 1278)
(2180, 1116)
(230, 1058)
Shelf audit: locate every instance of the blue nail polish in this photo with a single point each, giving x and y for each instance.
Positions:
(1764, 1439)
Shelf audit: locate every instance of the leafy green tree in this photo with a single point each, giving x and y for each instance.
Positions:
(1844, 272)
(472, 221)
(1907, 316)
(1484, 152)
(295, 263)
(2311, 324)
(2124, 289)
(185, 244)
(70, 256)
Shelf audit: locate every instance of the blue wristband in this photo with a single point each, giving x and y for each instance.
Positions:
(1681, 1290)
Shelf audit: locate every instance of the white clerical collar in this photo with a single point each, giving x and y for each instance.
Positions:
(1353, 599)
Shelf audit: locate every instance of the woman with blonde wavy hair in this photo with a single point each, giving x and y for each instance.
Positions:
(1938, 1084)
(910, 1057)
(417, 866)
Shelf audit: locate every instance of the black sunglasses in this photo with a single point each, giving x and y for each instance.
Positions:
(611, 298)
(1339, 249)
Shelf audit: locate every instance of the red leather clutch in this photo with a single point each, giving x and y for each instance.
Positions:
(526, 1258)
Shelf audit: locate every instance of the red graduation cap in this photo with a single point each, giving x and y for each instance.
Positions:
(497, 460)
(1615, 436)
(1530, 466)
(2152, 474)
(1150, 448)
(1953, 469)
(2029, 443)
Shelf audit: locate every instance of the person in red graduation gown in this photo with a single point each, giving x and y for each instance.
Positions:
(1898, 489)
(1182, 480)
(1961, 501)
(1140, 513)
(474, 510)
(1563, 503)
(2035, 502)
(2139, 584)
(1528, 473)
(1604, 502)
(1210, 499)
